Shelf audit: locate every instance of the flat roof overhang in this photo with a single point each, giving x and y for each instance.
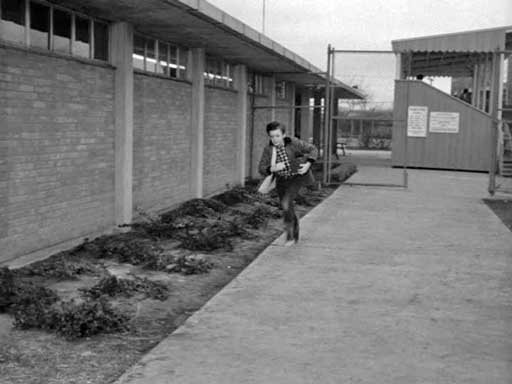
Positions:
(453, 54)
(199, 24)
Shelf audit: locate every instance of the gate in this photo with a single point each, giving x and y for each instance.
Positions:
(361, 131)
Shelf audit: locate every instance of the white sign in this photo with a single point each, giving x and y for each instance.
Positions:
(417, 121)
(444, 122)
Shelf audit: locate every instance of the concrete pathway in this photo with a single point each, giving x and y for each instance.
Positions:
(388, 286)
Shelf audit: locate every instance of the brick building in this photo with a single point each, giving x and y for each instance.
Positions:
(107, 107)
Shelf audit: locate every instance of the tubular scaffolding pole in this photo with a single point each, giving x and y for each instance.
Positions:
(327, 105)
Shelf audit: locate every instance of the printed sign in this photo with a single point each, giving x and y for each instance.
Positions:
(417, 121)
(444, 122)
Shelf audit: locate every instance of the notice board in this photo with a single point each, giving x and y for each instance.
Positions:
(417, 121)
(444, 122)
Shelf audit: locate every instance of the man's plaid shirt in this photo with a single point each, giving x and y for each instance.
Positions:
(282, 157)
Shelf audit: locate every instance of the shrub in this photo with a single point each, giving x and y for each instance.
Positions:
(234, 196)
(132, 250)
(205, 208)
(303, 200)
(190, 265)
(259, 216)
(207, 239)
(15, 294)
(343, 172)
(61, 266)
(113, 287)
(73, 319)
(7, 289)
(209, 235)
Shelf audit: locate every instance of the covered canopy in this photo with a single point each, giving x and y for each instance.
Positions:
(454, 54)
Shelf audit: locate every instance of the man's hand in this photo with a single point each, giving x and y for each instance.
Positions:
(278, 167)
(304, 168)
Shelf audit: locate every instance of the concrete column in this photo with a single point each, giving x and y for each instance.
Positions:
(197, 66)
(121, 51)
(306, 115)
(273, 97)
(317, 119)
(242, 105)
(292, 111)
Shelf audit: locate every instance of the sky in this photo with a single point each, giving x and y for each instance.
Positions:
(308, 26)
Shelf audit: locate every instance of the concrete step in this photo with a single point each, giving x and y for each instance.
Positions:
(506, 168)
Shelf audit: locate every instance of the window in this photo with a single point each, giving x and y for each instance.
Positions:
(61, 31)
(39, 25)
(163, 58)
(218, 73)
(12, 22)
(100, 41)
(53, 28)
(160, 57)
(281, 90)
(150, 55)
(256, 84)
(139, 48)
(173, 61)
(82, 46)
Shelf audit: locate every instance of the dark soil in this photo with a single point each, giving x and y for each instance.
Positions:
(133, 289)
(502, 209)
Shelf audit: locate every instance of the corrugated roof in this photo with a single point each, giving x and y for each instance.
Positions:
(483, 40)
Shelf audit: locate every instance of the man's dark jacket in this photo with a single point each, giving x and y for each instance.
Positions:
(298, 151)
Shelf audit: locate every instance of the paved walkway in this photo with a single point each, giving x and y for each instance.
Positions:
(388, 286)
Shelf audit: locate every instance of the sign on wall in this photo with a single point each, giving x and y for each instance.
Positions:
(444, 122)
(417, 121)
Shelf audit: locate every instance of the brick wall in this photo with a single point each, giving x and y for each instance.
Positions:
(220, 129)
(162, 142)
(56, 150)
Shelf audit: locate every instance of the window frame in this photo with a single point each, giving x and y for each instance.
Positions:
(73, 14)
(283, 95)
(218, 73)
(258, 86)
(181, 73)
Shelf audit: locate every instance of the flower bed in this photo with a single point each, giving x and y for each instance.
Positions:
(66, 319)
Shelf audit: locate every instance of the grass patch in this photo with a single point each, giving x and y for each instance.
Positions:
(502, 209)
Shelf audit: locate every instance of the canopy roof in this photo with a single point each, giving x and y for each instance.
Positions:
(482, 40)
(199, 24)
(453, 54)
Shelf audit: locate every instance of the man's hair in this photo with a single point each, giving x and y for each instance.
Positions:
(275, 125)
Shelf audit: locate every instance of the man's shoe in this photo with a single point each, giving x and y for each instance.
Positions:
(289, 243)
